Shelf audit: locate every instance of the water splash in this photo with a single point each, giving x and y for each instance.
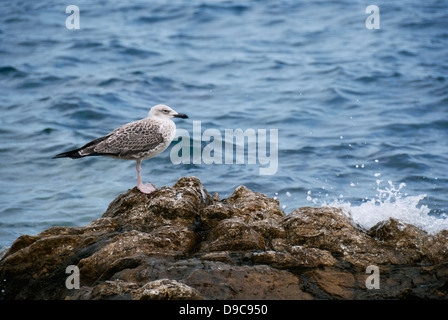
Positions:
(392, 202)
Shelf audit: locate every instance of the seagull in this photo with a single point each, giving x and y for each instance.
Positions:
(137, 140)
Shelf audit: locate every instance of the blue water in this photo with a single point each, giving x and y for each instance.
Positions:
(355, 108)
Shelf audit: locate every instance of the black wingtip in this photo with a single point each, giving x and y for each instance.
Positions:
(74, 154)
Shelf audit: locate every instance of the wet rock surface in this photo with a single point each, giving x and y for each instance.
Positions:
(180, 242)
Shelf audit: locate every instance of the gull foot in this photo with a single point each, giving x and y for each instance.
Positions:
(146, 188)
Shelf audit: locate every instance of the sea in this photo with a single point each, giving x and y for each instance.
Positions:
(352, 98)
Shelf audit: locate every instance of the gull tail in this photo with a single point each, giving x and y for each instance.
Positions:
(74, 154)
(84, 151)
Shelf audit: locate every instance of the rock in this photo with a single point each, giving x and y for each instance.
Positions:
(180, 242)
(163, 289)
(296, 257)
(412, 243)
(166, 289)
(233, 234)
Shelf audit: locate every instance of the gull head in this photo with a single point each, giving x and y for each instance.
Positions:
(162, 111)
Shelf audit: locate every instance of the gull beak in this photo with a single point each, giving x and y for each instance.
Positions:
(180, 115)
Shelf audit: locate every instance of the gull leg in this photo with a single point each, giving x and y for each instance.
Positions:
(144, 188)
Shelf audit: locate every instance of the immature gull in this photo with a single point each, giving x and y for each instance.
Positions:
(138, 140)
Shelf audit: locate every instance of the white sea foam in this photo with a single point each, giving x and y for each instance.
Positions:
(391, 202)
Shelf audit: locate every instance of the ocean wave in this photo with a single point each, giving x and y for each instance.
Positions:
(10, 71)
(392, 202)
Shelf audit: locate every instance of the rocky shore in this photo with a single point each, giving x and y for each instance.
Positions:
(180, 242)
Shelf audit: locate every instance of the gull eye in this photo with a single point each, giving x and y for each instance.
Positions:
(166, 111)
